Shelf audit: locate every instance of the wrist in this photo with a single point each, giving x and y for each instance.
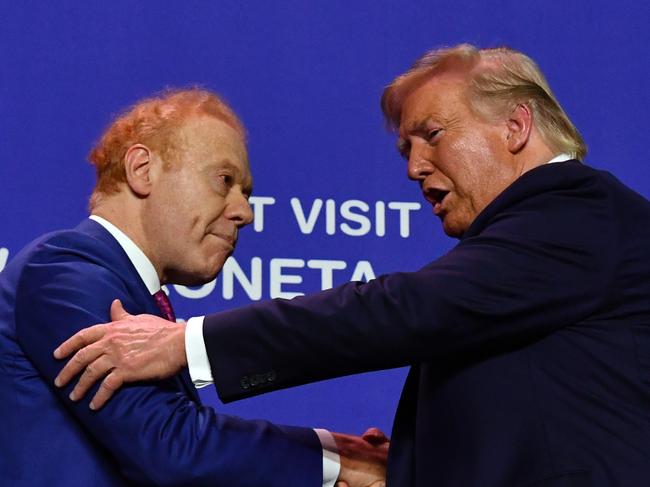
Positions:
(179, 343)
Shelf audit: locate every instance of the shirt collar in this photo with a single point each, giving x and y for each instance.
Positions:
(560, 158)
(140, 261)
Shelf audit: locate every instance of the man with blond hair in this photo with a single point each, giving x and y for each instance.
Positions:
(172, 193)
(529, 341)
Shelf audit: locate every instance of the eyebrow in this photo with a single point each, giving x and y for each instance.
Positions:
(415, 128)
(247, 184)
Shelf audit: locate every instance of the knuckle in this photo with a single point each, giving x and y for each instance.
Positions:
(91, 371)
(83, 338)
(112, 340)
(80, 357)
(112, 382)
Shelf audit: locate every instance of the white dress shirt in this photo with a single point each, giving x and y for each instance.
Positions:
(148, 274)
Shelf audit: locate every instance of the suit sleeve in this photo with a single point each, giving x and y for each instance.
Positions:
(156, 433)
(525, 276)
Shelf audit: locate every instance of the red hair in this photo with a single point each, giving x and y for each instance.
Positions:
(152, 122)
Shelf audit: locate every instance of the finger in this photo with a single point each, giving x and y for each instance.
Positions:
(117, 311)
(341, 483)
(79, 340)
(77, 363)
(379, 483)
(375, 436)
(109, 385)
(94, 372)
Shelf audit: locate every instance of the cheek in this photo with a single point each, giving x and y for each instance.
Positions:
(473, 168)
(198, 218)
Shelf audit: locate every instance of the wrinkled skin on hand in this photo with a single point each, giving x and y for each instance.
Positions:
(130, 349)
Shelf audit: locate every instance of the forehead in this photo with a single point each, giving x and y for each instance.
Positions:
(440, 97)
(208, 143)
(206, 133)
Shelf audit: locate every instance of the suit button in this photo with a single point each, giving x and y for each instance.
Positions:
(244, 383)
(271, 376)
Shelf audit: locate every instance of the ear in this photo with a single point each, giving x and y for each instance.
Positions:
(519, 126)
(137, 163)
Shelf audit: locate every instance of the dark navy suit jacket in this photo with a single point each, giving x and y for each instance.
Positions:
(529, 342)
(154, 433)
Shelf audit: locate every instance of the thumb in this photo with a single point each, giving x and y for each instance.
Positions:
(375, 436)
(117, 311)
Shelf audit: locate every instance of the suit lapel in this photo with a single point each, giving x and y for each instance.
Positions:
(115, 258)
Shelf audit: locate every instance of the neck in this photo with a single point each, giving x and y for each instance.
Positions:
(127, 215)
(534, 154)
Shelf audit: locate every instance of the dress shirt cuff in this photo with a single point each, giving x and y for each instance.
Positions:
(331, 459)
(197, 356)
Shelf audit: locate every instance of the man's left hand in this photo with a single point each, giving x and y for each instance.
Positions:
(130, 349)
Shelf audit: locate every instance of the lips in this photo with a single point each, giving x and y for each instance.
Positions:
(435, 196)
(231, 239)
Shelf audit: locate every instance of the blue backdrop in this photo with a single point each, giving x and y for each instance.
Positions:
(306, 78)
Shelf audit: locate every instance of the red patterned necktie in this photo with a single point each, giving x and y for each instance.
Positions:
(165, 306)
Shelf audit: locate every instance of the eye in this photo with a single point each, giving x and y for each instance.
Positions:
(223, 183)
(433, 134)
(226, 179)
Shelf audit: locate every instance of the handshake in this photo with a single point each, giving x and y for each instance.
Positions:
(363, 459)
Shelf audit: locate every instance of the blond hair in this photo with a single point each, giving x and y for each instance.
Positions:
(500, 79)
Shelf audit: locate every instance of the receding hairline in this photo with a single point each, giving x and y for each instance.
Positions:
(178, 136)
(220, 161)
(153, 122)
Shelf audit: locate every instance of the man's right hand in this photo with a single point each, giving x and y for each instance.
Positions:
(363, 459)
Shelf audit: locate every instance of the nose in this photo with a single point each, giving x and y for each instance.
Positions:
(418, 167)
(240, 211)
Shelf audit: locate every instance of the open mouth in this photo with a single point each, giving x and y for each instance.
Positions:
(435, 196)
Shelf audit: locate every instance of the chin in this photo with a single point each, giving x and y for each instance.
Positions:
(453, 229)
(196, 277)
(211, 272)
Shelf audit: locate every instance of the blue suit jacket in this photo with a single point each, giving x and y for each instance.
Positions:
(154, 433)
(529, 342)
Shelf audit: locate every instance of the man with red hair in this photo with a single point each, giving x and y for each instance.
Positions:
(172, 193)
